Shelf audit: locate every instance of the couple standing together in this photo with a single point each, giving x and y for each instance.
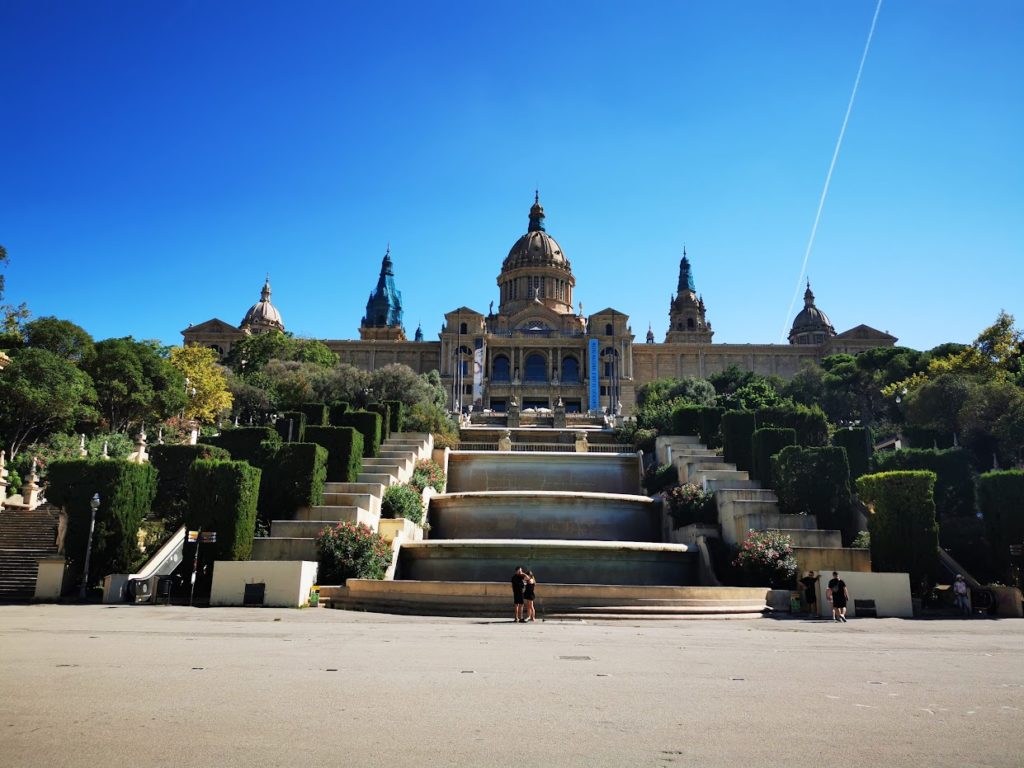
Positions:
(837, 593)
(524, 586)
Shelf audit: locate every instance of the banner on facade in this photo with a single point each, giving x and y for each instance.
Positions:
(595, 400)
(478, 371)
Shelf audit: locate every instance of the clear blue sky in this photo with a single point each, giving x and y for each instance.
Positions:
(158, 158)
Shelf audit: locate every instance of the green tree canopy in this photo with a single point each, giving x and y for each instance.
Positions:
(42, 393)
(134, 383)
(62, 337)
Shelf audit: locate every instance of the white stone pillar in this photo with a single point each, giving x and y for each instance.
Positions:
(30, 493)
(3, 478)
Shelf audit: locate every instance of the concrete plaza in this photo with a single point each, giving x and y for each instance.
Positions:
(107, 686)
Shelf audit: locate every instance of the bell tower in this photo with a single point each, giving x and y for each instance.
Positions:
(686, 321)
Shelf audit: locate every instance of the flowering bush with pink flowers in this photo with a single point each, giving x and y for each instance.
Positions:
(350, 551)
(765, 558)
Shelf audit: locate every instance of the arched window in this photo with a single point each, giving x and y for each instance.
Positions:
(501, 370)
(464, 329)
(689, 323)
(536, 368)
(570, 371)
(608, 330)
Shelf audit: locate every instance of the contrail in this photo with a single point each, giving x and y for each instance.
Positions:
(828, 177)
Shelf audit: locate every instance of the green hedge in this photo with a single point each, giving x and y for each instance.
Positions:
(857, 442)
(904, 533)
(397, 415)
(737, 438)
(172, 463)
(367, 423)
(810, 424)
(1001, 499)
(222, 497)
(815, 481)
(767, 442)
(338, 408)
(699, 420)
(344, 451)
(297, 425)
(249, 444)
(292, 479)
(385, 418)
(316, 414)
(954, 475)
(658, 478)
(401, 501)
(126, 493)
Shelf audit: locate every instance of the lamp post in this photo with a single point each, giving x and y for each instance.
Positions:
(94, 504)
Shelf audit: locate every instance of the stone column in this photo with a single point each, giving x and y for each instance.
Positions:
(505, 441)
(513, 413)
(581, 442)
(3, 478)
(81, 447)
(559, 414)
(30, 493)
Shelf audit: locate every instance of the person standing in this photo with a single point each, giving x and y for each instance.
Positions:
(962, 595)
(840, 597)
(810, 582)
(529, 595)
(518, 588)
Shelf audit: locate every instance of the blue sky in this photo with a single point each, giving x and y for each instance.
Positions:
(158, 158)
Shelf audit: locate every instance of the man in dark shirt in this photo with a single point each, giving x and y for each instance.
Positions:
(810, 582)
(518, 587)
(840, 596)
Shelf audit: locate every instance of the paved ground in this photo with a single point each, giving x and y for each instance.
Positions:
(156, 686)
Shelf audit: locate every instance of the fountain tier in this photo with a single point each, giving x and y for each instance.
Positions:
(472, 471)
(544, 515)
(554, 561)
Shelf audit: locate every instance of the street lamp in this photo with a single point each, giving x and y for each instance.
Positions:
(94, 504)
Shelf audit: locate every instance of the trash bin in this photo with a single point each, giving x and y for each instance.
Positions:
(314, 596)
(164, 587)
(139, 591)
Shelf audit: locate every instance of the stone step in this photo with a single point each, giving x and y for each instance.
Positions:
(305, 529)
(812, 537)
(367, 501)
(689, 466)
(374, 489)
(401, 471)
(335, 515)
(284, 548)
(376, 477)
(717, 473)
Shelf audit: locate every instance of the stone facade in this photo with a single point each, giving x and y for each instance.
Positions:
(538, 350)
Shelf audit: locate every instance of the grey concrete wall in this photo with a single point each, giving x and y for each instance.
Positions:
(544, 515)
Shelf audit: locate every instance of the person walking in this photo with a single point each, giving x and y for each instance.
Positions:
(518, 588)
(840, 597)
(962, 595)
(529, 595)
(810, 583)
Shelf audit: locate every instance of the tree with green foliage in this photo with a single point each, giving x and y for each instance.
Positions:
(11, 317)
(658, 399)
(62, 337)
(815, 481)
(42, 393)
(252, 353)
(135, 383)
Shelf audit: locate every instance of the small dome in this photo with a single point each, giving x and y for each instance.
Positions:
(263, 316)
(811, 325)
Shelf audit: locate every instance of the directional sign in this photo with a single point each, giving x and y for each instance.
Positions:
(193, 537)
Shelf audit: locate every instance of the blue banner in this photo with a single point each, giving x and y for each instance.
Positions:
(595, 400)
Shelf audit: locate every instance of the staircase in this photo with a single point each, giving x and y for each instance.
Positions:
(25, 536)
(743, 506)
(357, 502)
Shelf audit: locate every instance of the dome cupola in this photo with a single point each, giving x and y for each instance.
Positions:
(536, 269)
(262, 316)
(811, 325)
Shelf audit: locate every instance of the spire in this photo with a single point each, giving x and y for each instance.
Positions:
(419, 332)
(536, 214)
(386, 267)
(384, 307)
(685, 275)
(650, 334)
(265, 293)
(808, 295)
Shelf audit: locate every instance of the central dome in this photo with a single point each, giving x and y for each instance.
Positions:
(536, 248)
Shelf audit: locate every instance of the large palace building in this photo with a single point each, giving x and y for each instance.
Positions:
(537, 349)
